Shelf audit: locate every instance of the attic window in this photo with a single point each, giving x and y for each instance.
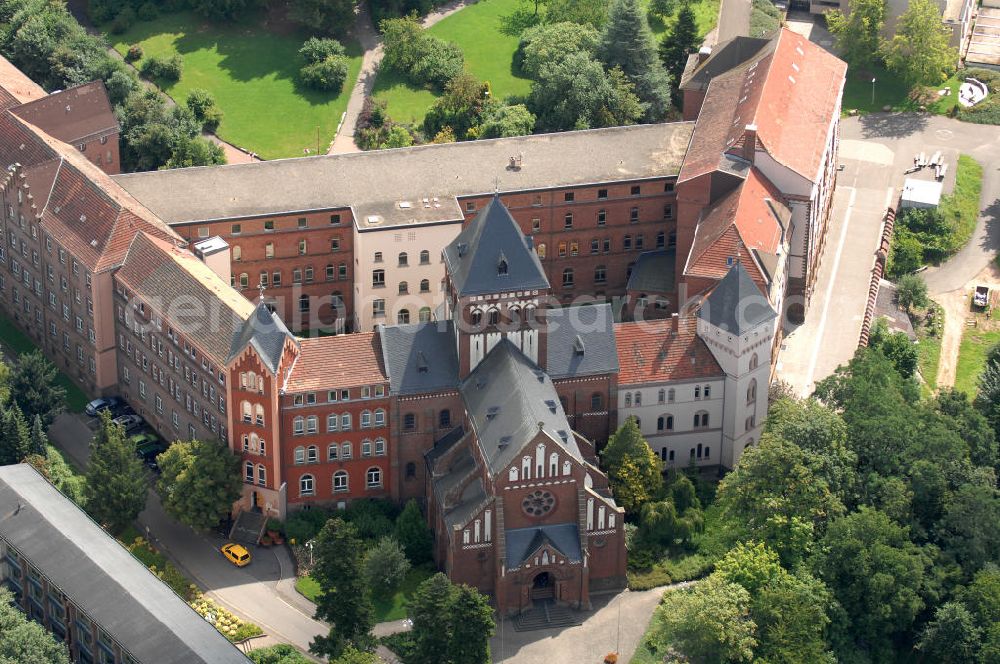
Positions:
(578, 347)
(422, 366)
(504, 442)
(462, 248)
(480, 382)
(562, 434)
(729, 261)
(502, 266)
(492, 412)
(551, 405)
(540, 375)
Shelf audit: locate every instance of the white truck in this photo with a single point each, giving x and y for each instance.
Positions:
(981, 297)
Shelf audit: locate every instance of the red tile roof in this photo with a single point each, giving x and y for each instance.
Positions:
(791, 94)
(17, 84)
(73, 115)
(649, 352)
(346, 360)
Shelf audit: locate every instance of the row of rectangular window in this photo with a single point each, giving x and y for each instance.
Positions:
(268, 226)
(339, 452)
(570, 196)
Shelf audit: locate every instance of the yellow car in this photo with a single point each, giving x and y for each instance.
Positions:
(236, 554)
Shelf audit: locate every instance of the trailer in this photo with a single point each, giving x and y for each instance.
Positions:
(981, 297)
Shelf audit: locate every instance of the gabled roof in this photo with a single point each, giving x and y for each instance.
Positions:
(653, 272)
(724, 57)
(523, 542)
(73, 115)
(736, 304)
(580, 341)
(163, 275)
(17, 84)
(345, 360)
(101, 577)
(510, 401)
(650, 352)
(492, 255)
(790, 92)
(420, 357)
(266, 332)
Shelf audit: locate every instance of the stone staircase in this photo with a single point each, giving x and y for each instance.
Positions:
(248, 527)
(545, 614)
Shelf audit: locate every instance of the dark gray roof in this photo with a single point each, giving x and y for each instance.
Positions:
(588, 328)
(724, 57)
(736, 304)
(492, 255)
(117, 591)
(510, 401)
(653, 272)
(420, 358)
(266, 332)
(522, 542)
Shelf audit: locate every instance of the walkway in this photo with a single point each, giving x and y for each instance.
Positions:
(371, 42)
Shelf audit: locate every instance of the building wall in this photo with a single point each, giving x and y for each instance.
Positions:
(588, 416)
(296, 447)
(103, 151)
(380, 249)
(434, 415)
(256, 432)
(249, 239)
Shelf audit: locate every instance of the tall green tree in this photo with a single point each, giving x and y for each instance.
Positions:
(970, 527)
(911, 291)
(281, 653)
(328, 17)
(430, 612)
(117, 483)
(34, 388)
(23, 640)
(858, 32)
(896, 346)
(627, 43)
(632, 466)
(39, 442)
(552, 42)
(385, 567)
(344, 600)
(15, 437)
(413, 534)
(679, 43)
(590, 12)
(199, 482)
(952, 636)
(472, 625)
(577, 93)
(920, 51)
(500, 120)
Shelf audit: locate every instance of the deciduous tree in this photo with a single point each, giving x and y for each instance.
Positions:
(858, 32)
(591, 12)
(472, 625)
(327, 17)
(632, 466)
(23, 640)
(911, 291)
(953, 635)
(430, 612)
(199, 482)
(344, 600)
(117, 483)
(552, 42)
(920, 51)
(385, 567)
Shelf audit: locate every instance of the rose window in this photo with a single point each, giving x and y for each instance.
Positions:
(538, 503)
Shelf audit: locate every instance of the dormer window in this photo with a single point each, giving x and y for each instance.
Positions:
(502, 267)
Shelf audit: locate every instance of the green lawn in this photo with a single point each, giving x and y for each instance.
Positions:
(16, 342)
(252, 73)
(386, 610)
(404, 103)
(890, 91)
(706, 14)
(961, 207)
(929, 345)
(972, 357)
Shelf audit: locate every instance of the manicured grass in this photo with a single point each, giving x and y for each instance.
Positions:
(890, 91)
(405, 103)
(253, 74)
(972, 357)
(16, 342)
(706, 15)
(961, 207)
(386, 610)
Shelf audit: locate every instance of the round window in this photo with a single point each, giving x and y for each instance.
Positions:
(538, 503)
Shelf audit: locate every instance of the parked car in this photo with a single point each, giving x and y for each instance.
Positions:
(236, 554)
(128, 422)
(97, 406)
(982, 296)
(144, 439)
(148, 453)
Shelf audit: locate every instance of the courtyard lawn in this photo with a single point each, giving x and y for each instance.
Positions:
(252, 73)
(972, 357)
(14, 342)
(961, 207)
(386, 610)
(890, 91)
(405, 103)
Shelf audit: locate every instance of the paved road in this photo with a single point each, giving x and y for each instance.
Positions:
(734, 20)
(875, 151)
(263, 593)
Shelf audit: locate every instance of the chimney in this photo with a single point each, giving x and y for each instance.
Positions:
(674, 324)
(749, 142)
(703, 53)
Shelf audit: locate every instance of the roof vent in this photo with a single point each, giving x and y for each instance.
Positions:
(373, 220)
(551, 405)
(540, 375)
(492, 412)
(422, 365)
(405, 205)
(562, 434)
(504, 442)
(83, 218)
(68, 108)
(462, 248)
(502, 266)
(578, 347)
(93, 243)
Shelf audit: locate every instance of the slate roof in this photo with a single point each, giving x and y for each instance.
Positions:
(420, 357)
(73, 115)
(522, 542)
(345, 360)
(375, 182)
(588, 327)
(653, 272)
(724, 57)
(267, 333)
(204, 308)
(101, 577)
(492, 255)
(736, 304)
(509, 400)
(649, 352)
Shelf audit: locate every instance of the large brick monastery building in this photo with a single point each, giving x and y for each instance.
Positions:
(500, 306)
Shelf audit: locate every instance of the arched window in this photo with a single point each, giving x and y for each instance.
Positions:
(502, 267)
(752, 392)
(331, 422)
(345, 422)
(261, 474)
(306, 487)
(404, 288)
(553, 464)
(541, 250)
(312, 424)
(567, 277)
(628, 399)
(379, 417)
(753, 361)
(366, 448)
(699, 450)
(261, 447)
(596, 401)
(444, 418)
(299, 425)
(260, 384)
(697, 391)
(237, 253)
(248, 472)
(665, 423)
(403, 259)
(526, 468)
(340, 483)
(259, 415)
(373, 478)
(345, 451)
(425, 257)
(311, 454)
(380, 447)
(424, 315)
(708, 391)
(567, 468)
(476, 318)
(331, 452)
(366, 419)
(247, 411)
(403, 317)
(425, 286)
(512, 474)
(514, 314)
(700, 419)
(300, 455)
(409, 422)
(246, 443)
(493, 316)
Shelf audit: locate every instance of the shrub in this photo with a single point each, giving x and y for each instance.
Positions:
(134, 53)
(328, 74)
(304, 525)
(202, 105)
(373, 519)
(162, 68)
(148, 11)
(443, 62)
(125, 19)
(424, 59)
(317, 50)
(385, 567)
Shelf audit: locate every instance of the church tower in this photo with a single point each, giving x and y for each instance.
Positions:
(496, 289)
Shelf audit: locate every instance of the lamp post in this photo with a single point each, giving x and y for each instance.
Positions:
(309, 545)
(873, 90)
